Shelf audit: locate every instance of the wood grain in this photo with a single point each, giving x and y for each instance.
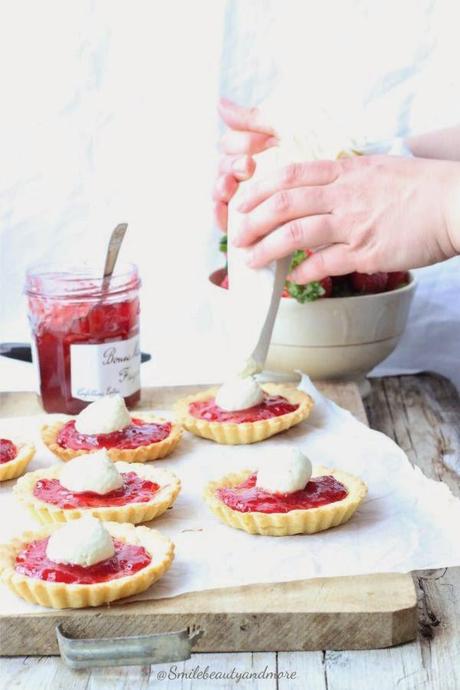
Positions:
(13, 404)
(422, 414)
(341, 613)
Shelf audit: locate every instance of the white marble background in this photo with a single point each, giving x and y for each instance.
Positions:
(108, 114)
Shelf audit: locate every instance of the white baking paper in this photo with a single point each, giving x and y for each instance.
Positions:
(407, 522)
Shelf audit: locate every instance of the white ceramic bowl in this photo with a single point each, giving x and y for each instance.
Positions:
(332, 338)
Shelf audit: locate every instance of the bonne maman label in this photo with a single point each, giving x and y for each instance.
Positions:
(105, 369)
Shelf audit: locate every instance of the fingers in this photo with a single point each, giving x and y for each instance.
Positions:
(283, 207)
(232, 169)
(247, 134)
(224, 188)
(335, 260)
(241, 167)
(243, 119)
(311, 173)
(245, 142)
(313, 231)
(221, 215)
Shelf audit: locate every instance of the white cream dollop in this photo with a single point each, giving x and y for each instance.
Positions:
(239, 394)
(103, 416)
(80, 542)
(93, 472)
(284, 471)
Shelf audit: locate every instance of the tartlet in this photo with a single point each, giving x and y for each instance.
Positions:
(298, 521)
(13, 468)
(244, 432)
(141, 453)
(59, 595)
(133, 512)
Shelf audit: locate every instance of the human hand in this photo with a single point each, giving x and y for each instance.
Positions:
(247, 134)
(365, 214)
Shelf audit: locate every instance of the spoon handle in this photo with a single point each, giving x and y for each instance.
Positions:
(116, 238)
(259, 355)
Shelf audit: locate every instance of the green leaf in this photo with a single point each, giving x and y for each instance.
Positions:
(223, 244)
(305, 293)
(297, 258)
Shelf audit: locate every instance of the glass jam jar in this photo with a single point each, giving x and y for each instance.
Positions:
(85, 335)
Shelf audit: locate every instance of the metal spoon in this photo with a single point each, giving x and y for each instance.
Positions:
(113, 249)
(259, 354)
(254, 299)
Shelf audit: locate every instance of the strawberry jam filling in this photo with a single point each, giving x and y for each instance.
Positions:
(134, 490)
(8, 450)
(127, 560)
(138, 433)
(271, 406)
(248, 498)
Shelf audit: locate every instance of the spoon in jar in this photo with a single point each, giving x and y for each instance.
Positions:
(113, 249)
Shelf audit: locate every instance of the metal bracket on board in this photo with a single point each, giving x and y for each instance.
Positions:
(135, 650)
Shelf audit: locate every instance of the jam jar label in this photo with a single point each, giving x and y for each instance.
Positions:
(105, 369)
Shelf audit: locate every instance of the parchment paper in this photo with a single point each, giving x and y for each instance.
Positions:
(407, 522)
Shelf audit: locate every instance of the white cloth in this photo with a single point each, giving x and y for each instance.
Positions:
(432, 336)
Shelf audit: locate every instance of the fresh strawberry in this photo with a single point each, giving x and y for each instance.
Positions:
(224, 282)
(397, 279)
(326, 284)
(285, 292)
(369, 283)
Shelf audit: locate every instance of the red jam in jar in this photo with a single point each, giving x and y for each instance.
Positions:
(85, 335)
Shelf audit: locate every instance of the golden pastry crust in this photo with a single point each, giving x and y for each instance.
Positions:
(247, 432)
(132, 512)
(14, 468)
(306, 521)
(153, 451)
(59, 595)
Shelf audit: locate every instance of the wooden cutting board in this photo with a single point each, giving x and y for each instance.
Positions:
(362, 612)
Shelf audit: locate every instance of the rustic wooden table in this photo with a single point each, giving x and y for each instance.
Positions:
(422, 414)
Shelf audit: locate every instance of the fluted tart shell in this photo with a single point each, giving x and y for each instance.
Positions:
(131, 512)
(152, 451)
(17, 466)
(305, 521)
(60, 595)
(233, 433)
